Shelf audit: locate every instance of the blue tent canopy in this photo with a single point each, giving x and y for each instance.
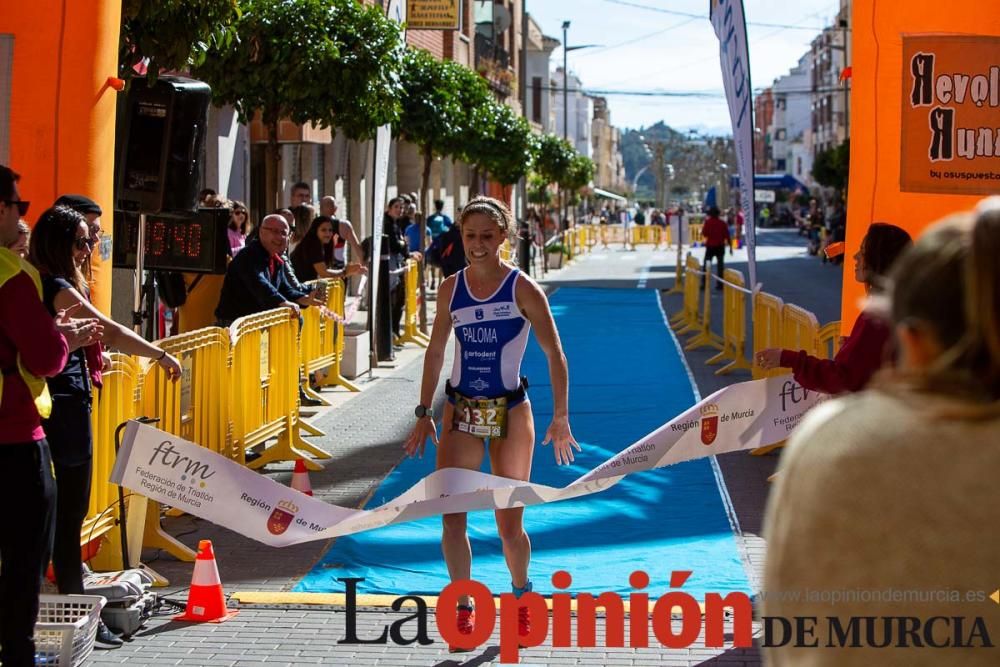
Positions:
(778, 182)
(711, 198)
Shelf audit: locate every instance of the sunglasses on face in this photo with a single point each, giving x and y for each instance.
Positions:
(22, 206)
(84, 243)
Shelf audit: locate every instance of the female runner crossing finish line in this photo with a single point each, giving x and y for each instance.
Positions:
(491, 307)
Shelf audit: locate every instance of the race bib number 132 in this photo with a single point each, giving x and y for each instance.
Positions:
(482, 418)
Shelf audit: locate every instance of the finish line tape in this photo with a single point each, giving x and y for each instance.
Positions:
(181, 474)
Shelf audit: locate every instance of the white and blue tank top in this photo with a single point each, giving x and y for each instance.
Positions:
(490, 337)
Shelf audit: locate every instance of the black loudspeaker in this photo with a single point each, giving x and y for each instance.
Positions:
(160, 161)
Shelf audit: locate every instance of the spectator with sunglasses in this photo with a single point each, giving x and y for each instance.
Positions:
(60, 246)
(91, 211)
(239, 227)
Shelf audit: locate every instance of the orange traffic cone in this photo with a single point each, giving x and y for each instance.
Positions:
(300, 478)
(206, 601)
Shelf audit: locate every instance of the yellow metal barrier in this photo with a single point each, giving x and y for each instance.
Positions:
(118, 401)
(196, 408)
(612, 234)
(704, 335)
(799, 330)
(647, 235)
(828, 340)
(694, 234)
(411, 330)
(322, 341)
(767, 329)
(734, 327)
(686, 320)
(264, 398)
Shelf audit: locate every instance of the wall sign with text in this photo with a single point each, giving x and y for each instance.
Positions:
(950, 126)
(432, 15)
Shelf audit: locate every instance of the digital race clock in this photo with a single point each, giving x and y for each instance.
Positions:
(197, 244)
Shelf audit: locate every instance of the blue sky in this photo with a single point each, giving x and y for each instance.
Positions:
(648, 50)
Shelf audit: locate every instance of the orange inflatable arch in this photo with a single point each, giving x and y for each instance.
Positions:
(62, 111)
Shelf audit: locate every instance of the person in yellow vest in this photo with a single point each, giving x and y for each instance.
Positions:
(33, 346)
(59, 248)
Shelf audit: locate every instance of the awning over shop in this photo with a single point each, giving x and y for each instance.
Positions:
(609, 195)
(778, 182)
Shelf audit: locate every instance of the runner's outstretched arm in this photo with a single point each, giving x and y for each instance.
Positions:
(535, 307)
(433, 360)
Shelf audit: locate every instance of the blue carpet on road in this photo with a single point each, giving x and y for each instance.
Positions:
(626, 379)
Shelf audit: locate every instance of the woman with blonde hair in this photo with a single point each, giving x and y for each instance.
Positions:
(889, 499)
(490, 307)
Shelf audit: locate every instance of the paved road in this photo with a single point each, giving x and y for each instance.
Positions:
(364, 432)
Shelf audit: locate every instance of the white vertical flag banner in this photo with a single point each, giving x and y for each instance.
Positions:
(396, 11)
(730, 25)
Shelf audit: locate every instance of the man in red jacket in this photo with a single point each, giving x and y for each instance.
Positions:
(32, 347)
(715, 234)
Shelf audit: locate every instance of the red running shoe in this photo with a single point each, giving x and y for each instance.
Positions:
(466, 621)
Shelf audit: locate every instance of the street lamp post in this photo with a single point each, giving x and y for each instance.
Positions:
(565, 86)
(564, 204)
(565, 82)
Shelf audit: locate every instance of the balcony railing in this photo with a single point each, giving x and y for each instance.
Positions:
(489, 50)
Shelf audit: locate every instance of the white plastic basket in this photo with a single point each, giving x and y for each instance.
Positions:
(65, 630)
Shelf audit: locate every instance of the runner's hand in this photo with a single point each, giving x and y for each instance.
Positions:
(562, 440)
(417, 440)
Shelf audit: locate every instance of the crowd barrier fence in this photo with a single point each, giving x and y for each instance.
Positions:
(694, 234)
(411, 313)
(734, 327)
(686, 320)
(119, 400)
(265, 376)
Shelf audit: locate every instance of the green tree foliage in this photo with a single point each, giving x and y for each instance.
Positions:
(509, 151)
(555, 159)
(538, 190)
(432, 116)
(328, 62)
(440, 109)
(832, 166)
(173, 34)
(579, 174)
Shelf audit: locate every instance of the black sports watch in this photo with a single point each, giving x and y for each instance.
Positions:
(420, 411)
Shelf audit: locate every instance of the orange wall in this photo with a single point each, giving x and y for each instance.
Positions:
(876, 103)
(62, 125)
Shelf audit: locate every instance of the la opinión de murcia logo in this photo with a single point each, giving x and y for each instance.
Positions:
(644, 614)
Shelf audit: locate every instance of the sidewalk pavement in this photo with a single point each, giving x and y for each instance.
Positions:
(364, 434)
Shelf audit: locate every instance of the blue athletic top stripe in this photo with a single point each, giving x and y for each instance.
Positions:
(490, 337)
